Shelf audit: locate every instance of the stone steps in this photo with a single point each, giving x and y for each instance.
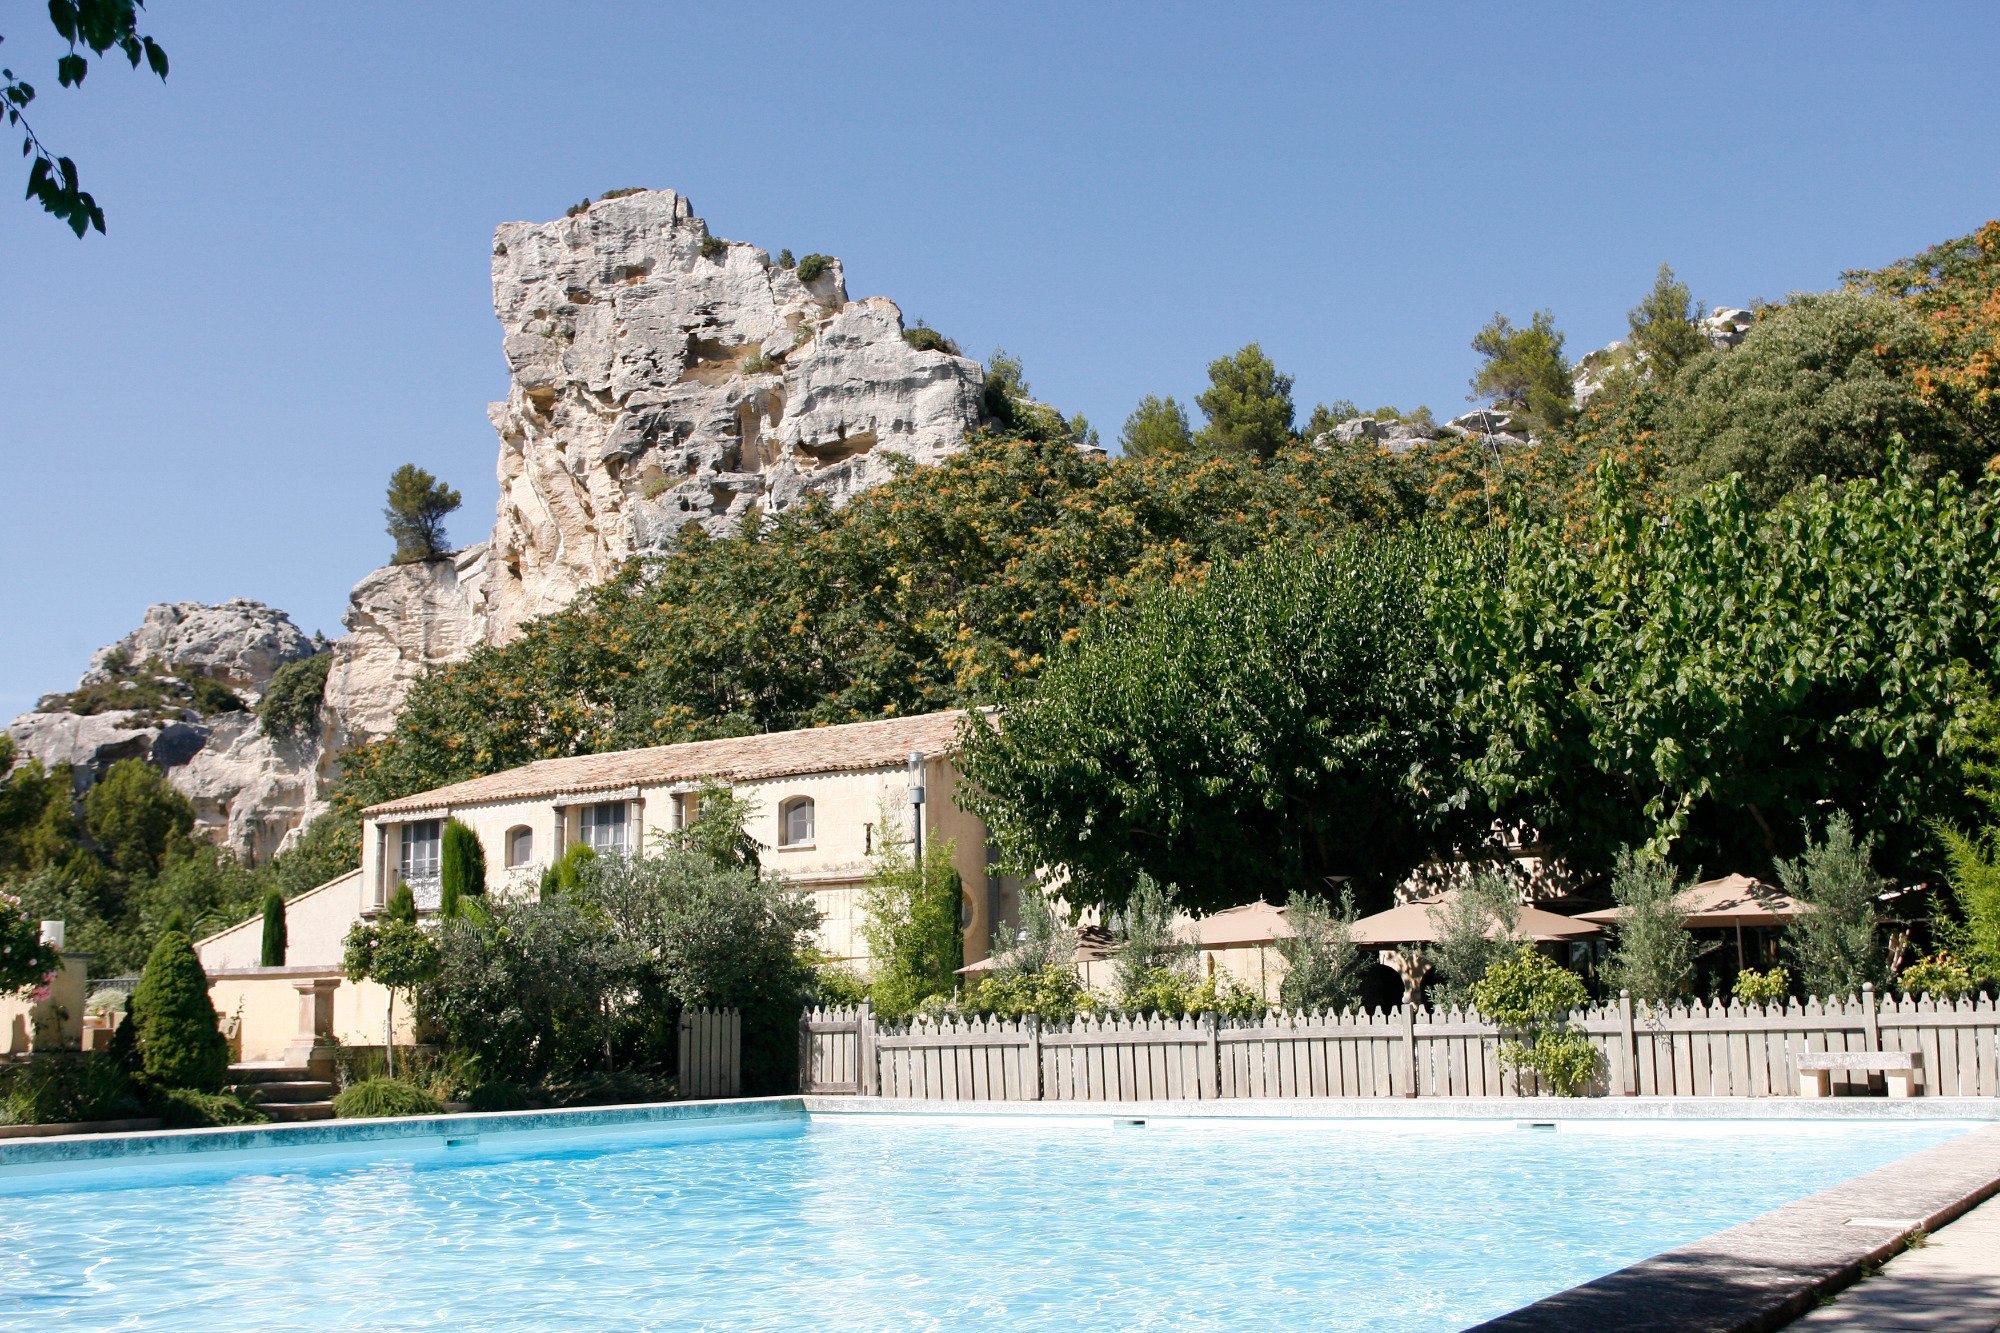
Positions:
(282, 1093)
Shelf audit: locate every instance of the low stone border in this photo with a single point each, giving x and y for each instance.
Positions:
(80, 1150)
(1540, 1109)
(81, 1127)
(1765, 1273)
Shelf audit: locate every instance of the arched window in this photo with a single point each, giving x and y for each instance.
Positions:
(520, 845)
(795, 821)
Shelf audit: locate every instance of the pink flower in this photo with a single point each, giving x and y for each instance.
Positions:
(40, 993)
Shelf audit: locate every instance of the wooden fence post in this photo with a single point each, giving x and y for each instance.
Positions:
(1630, 1038)
(1033, 1087)
(1409, 1013)
(805, 1049)
(1869, 1017)
(1211, 1056)
(867, 1056)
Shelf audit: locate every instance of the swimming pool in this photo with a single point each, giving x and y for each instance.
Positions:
(887, 1222)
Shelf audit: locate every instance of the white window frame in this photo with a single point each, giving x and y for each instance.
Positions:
(517, 834)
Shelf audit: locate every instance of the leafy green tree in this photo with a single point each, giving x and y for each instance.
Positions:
(96, 26)
(394, 952)
(201, 888)
(1974, 932)
(180, 1040)
(289, 709)
(418, 504)
(1524, 370)
(1653, 956)
(38, 828)
(565, 875)
(1954, 288)
(1322, 965)
(137, 819)
(720, 827)
(911, 926)
(1252, 733)
(1156, 426)
(273, 951)
(718, 934)
(1697, 681)
(1837, 945)
(1666, 326)
(461, 867)
(1530, 998)
(1824, 386)
(1248, 405)
(949, 585)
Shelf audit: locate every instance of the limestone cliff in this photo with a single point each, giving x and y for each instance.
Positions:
(662, 377)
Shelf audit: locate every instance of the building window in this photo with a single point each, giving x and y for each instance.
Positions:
(687, 807)
(603, 826)
(795, 822)
(520, 845)
(420, 859)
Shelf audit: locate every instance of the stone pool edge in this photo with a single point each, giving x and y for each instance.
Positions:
(1532, 1109)
(97, 1149)
(1768, 1271)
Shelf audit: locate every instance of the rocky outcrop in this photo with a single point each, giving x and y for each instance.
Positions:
(248, 790)
(239, 642)
(663, 377)
(1398, 437)
(1727, 326)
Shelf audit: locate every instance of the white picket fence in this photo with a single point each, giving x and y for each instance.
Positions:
(711, 1053)
(1694, 1050)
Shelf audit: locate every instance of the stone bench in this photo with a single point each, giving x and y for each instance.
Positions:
(1902, 1070)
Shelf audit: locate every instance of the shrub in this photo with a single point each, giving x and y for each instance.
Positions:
(1530, 998)
(926, 339)
(812, 266)
(713, 247)
(912, 926)
(785, 259)
(567, 873)
(617, 1088)
(759, 364)
(621, 193)
(581, 206)
(1654, 954)
(1054, 993)
(186, 1108)
(180, 1041)
(24, 960)
(380, 1097)
(461, 868)
(498, 1096)
(834, 985)
(1322, 965)
(289, 709)
(1835, 942)
(62, 1089)
(1941, 977)
(273, 951)
(1754, 987)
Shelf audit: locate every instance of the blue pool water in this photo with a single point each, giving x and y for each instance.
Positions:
(886, 1223)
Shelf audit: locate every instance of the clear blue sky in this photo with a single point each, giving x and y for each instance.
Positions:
(293, 297)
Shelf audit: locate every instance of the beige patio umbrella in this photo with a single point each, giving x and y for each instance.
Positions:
(1252, 923)
(1716, 904)
(1411, 923)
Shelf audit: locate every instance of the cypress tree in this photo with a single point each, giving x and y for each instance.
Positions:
(462, 873)
(180, 1042)
(402, 905)
(274, 929)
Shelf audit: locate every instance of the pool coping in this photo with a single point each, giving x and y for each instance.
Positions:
(1532, 1109)
(1768, 1271)
(103, 1149)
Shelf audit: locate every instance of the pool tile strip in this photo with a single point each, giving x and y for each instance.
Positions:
(1770, 1270)
(101, 1149)
(1872, 1110)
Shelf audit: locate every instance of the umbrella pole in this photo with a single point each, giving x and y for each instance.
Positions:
(1739, 944)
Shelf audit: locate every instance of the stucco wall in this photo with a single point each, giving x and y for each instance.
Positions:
(53, 1024)
(266, 1003)
(316, 925)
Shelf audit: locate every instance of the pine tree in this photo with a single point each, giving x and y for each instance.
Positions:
(1666, 326)
(1248, 404)
(1156, 426)
(180, 1041)
(274, 929)
(418, 503)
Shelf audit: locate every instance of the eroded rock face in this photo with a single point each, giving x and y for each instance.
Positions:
(249, 790)
(239, 642)
(655, 385)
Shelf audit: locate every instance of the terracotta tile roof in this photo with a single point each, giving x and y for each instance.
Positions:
(851, 747)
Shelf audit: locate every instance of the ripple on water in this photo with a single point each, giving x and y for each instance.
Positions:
(880, 1223)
